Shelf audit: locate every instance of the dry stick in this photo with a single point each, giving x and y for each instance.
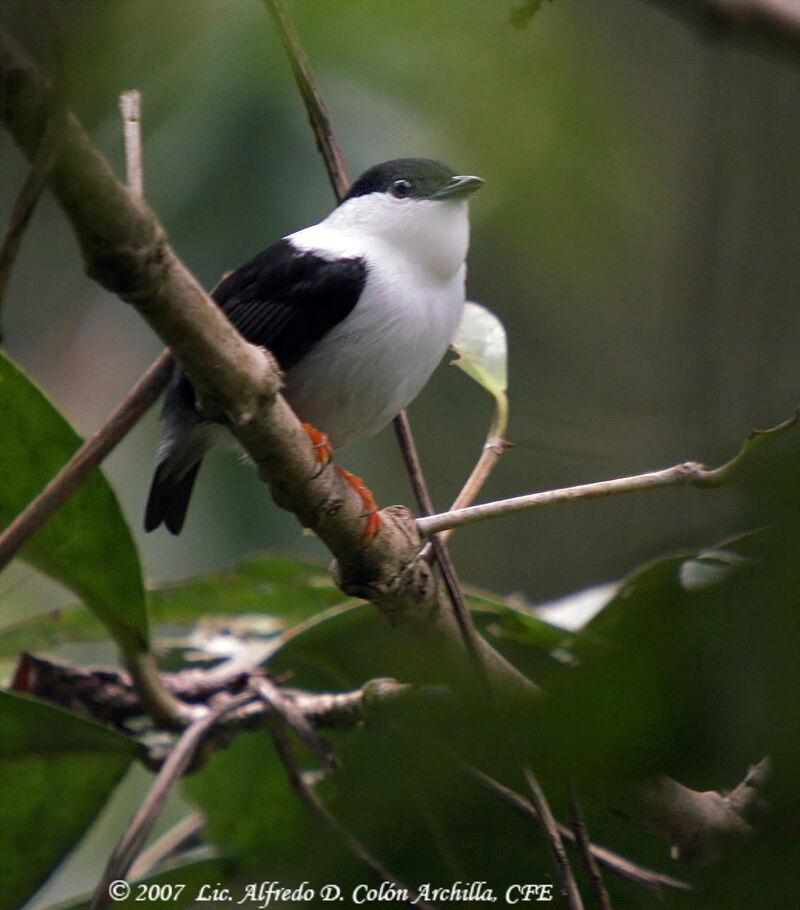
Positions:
(42, 164)
(340, 180)
(181, 756)
(272, 696)
(167, 845)
(690, 472)
(310, 799)
(582, 842)
(569, 886)
(312, 99)
(492, 451)
(687, 473)
(85, 460)
(130, 105)
(617, 863)
(463, 617)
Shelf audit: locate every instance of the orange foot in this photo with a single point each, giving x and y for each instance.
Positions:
(320, 442)
(370, 506)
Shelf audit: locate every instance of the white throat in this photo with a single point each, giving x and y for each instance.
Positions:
(430, 232)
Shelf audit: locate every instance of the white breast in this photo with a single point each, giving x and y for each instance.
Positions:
(375, 362)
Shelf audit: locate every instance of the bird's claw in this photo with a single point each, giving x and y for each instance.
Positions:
(373, 518)
(321, 445)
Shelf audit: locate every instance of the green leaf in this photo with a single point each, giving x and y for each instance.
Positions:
(275, 825)
(692, 654)
(87, 544)
(767, 471)
(29, 726)
(480, 341)
(278, 586)
(56, 771)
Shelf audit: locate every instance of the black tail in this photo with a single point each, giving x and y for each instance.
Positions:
(169, 498)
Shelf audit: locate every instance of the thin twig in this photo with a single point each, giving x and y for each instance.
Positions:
(679, 475)
(582, 842)
(312, 98)
(132, 841)
(493, 449)
(461, 611)
(167, 845)
(688, 473)
(85, 460)
(569, 886)
(296, 719)
(42, 164)
(617, 863)
(130, 105)
(312, 802)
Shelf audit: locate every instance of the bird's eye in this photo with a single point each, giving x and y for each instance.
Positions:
(401, 188)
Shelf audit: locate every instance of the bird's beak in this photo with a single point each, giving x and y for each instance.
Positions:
(458, 186)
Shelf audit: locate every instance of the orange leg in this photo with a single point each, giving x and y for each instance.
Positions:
(319, 441)
(370, 506)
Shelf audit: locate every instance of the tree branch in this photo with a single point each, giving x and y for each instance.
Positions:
(698, 825)
(613, 861)
(688, 473)
(569, 887)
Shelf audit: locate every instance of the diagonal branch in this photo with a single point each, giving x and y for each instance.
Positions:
(678, 475)
(318, 115)
(690, 473)
(569, 887)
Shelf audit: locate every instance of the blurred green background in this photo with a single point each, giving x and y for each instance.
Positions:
(638, 235)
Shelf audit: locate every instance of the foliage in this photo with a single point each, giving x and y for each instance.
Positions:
(89, 532)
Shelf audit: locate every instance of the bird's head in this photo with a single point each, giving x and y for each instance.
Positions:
(417, 205)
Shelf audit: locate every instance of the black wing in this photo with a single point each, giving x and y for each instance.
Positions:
(287, 300)
(283, 299)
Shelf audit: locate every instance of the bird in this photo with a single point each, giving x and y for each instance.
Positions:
(358, 310)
